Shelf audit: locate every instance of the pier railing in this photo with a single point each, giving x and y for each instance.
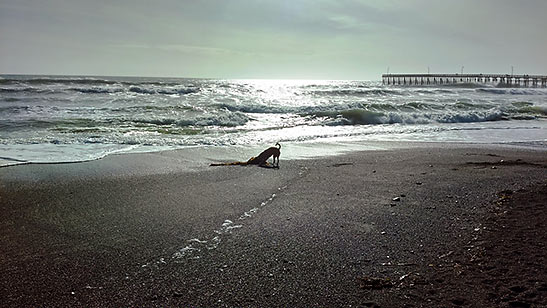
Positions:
(435, 79)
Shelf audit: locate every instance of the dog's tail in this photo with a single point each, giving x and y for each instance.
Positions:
(236, 163)
(278, 145)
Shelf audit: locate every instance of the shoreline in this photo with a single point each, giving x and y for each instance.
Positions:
(296, 150)
(195, 157)
(361, 228)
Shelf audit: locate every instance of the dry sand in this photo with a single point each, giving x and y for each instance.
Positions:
(433, 226)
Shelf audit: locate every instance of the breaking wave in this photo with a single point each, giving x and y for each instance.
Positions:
(95, 90)
(356, 92)
(370, 117)
(231, 119)
(365, 117)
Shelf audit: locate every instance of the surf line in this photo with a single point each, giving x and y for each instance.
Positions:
(194, 246)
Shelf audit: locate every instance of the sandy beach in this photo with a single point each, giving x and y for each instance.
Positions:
(438, 225)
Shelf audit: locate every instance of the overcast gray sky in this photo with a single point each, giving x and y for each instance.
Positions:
(293, 39)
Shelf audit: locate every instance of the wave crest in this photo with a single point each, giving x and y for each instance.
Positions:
(512, 91)
(356, 92)
(106, 90)
(48, 80)
(231, 119)
(366, 117)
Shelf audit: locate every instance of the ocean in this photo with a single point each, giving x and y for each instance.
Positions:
(78, 118)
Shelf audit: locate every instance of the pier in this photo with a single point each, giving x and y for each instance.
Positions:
(439, 79)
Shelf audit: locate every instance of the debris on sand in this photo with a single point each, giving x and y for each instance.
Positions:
(342, 164)
(374, 283)
(504, 196)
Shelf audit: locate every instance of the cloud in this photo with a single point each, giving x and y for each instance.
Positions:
(177, 48)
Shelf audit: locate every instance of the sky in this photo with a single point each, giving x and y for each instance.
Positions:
(275, 39)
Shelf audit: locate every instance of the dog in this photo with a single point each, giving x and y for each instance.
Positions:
(261, 160)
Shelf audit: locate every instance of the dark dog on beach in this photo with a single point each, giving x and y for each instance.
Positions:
(261, 160)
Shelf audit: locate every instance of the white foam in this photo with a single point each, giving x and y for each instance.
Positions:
(42, 153)
(226, 228)
(229, 228)
(214, 242)
(195, 240)
(226, 223)
(248, 214)
(184, 251)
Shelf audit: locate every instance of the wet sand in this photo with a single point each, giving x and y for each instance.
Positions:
(432, 226)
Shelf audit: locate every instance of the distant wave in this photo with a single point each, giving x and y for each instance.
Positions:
(96, 90)
(80, 81)
(26, 89)
(436, 91)
(168, 91)
(465, 85)
(146, 108)
(105, 90)
(255, 108)
(14, 109)
(513, 91)
(356, 92)
(11, 99)
(54, 80)
(302, 110)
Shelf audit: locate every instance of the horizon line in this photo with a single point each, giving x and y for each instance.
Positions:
(179, 77)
